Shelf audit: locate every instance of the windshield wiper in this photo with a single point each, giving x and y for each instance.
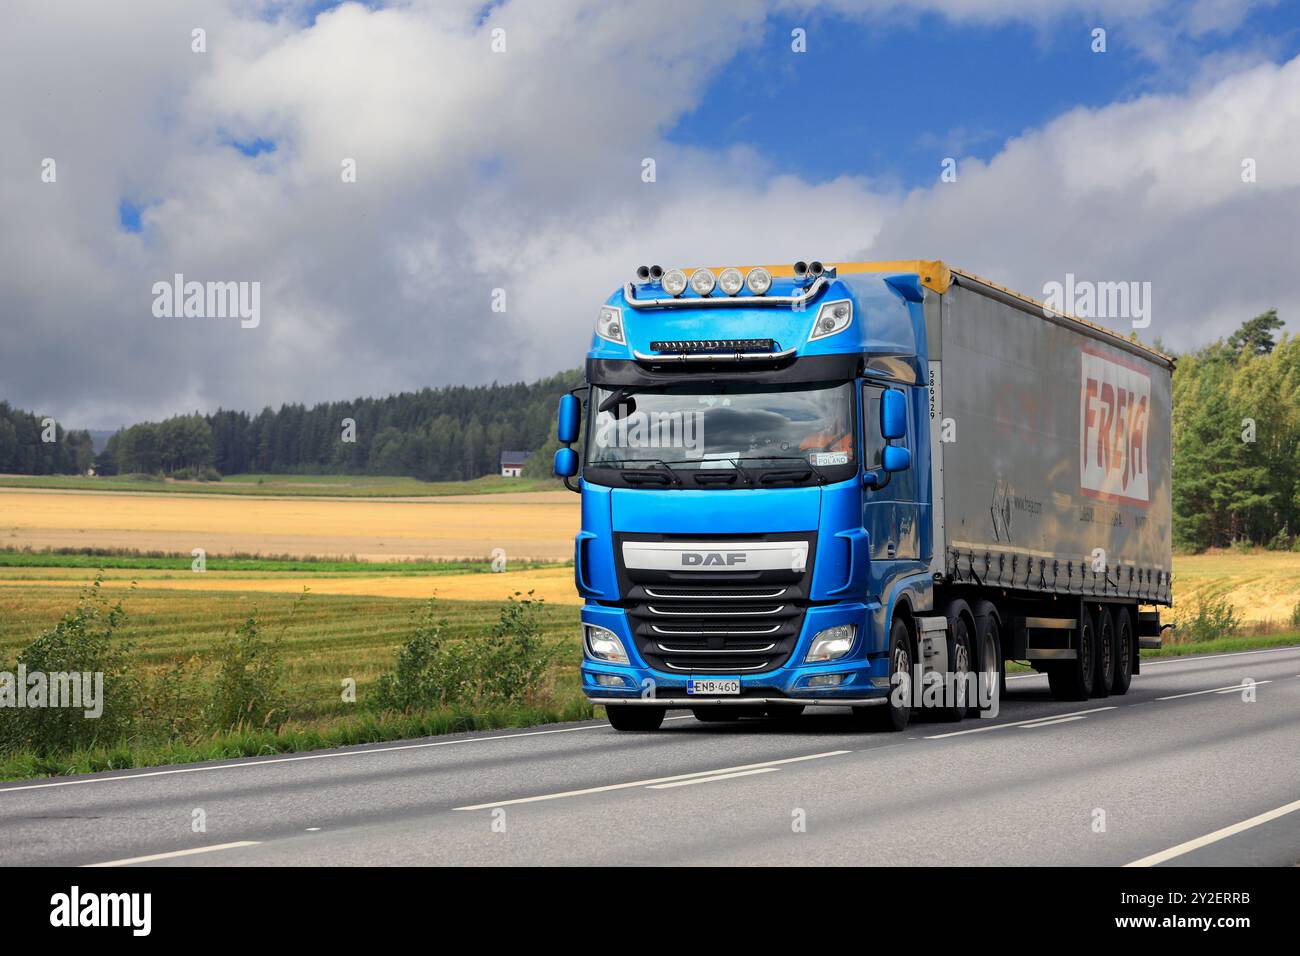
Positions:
(615, 398)
(813, 469)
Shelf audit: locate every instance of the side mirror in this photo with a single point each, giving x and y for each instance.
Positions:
(566, 463)
(893, 414)
(568, 419)
(895, 458)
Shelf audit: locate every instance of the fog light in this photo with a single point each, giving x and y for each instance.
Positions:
(731, 281)
(610, 680)
(702, 281)
(826, 680)
(832, 643)
(674, 282)
(759, 280)
(604, 645)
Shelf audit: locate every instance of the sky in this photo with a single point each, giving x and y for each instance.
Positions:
(499, 153)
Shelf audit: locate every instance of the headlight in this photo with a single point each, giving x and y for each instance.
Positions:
(604, 645)
(610, 324)
(731, 281)
(702, 282)
(830, 644)
(832, 317)
(674, 282)
(759, 280)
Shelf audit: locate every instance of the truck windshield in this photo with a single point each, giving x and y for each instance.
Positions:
(724, 435)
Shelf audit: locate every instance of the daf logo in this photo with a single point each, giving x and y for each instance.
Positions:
(710, 558)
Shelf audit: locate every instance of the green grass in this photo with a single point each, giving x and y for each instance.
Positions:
(330, 638)
(349, 486)
(119, 559)
(1225, 645)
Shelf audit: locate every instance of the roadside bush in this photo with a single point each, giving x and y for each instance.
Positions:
(429, 671)
(1209, 619)
(510, 665)
(248, 693)
(1295, 617)
(83, 642)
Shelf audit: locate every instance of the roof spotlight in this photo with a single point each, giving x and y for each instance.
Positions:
(656, 272)
(731, 281)
(800, 269)
(702, 282)
(759, 280)
(674, 282)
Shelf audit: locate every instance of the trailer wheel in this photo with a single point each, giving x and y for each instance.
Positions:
(895, 714)
(634, 716)
(961, 663)
(1073, 680)
(1105, 679)
(992, 669)
(719, 713)
(1123, 631)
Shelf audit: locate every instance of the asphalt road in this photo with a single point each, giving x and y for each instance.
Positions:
(1181, 770)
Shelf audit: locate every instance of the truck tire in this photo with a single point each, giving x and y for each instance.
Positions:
(1073, 680)
(961, 663)
(894, 715)
(720, 713)
(634, 716)
(1105, 679)
(991, 667)
(1123, 630)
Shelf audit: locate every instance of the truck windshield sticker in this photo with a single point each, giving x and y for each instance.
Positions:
(1114, 408)
(829, 458)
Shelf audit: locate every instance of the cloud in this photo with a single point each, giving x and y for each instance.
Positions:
(522, 171)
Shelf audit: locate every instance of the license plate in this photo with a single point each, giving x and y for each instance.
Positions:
(713, 687)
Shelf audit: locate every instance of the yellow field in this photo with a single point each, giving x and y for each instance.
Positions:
(555, 585)
(537, 526)
(1261, 585)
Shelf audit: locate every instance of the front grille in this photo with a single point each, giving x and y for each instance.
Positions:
(716, 622)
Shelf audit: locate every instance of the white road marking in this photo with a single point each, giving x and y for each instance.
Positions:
(207, 768)
(1018, 723)
(647, 783)
(1055, 720)
(1216, 836)
(725, 776)
(175, 853)
(1215, 690)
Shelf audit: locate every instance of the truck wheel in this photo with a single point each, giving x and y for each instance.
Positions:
(1123, 631)
(961, 664)
(1073, 680)
(718, 713)
(1105, 679)
(897, 713)
(992, 669)
(634, 716)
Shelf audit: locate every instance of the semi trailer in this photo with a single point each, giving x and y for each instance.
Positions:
(863, 485)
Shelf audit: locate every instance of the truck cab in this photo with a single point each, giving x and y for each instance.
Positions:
(754, 457)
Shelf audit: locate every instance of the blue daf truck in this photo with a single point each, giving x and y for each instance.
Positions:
(860, 485)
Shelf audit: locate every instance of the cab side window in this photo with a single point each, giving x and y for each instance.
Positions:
(872, 441)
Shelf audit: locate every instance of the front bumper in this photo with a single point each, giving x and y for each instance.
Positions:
(863, 672)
